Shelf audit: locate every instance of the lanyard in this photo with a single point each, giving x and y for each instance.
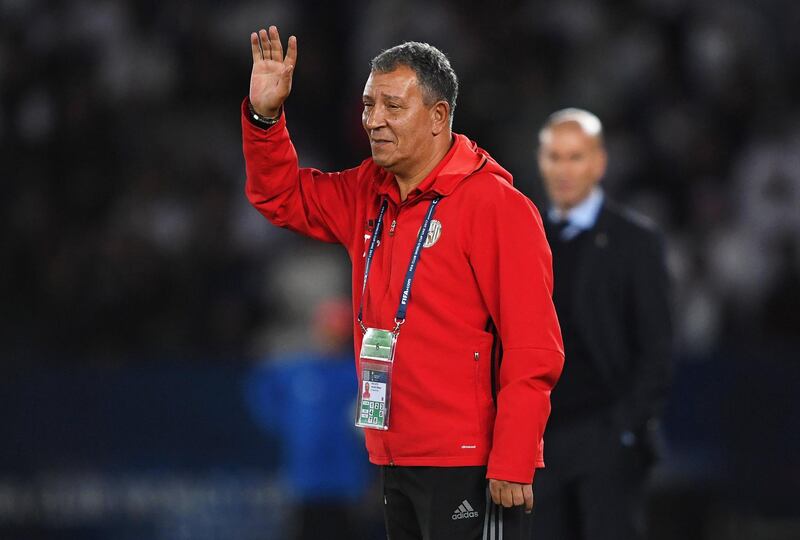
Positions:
(376, 232)
(400, 317)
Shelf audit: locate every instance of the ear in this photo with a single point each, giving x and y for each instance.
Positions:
(540, 159)
(601, 163)
(440, 116)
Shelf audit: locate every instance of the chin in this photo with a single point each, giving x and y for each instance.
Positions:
(568, 199)
(382, 161)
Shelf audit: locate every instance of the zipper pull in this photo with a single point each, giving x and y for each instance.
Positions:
(391, 228)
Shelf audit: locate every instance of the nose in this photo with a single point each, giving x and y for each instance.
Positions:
(559, 167)
(373, 117)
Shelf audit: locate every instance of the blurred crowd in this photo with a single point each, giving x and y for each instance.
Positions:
(126, 233)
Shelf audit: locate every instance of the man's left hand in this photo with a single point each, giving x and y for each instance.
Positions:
(511, 494)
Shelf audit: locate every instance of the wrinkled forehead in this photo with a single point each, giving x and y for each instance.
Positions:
(401, 81)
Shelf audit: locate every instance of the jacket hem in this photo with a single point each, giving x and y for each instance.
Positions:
(437, 461)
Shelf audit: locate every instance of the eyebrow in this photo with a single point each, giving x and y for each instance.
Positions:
(384, 96)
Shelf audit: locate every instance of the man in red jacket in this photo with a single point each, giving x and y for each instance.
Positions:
(460, 368)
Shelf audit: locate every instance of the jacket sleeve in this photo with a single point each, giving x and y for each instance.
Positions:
(513, 267)
(304, 200)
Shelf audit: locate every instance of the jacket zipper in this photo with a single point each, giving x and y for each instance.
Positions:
(389, 246)
(477, 357)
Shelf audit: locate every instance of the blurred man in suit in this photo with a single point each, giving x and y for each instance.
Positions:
(610, 294)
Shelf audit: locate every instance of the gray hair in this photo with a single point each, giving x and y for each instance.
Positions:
(589, 123)
(434, 73)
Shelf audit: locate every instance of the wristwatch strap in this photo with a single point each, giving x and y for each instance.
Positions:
(259, 120)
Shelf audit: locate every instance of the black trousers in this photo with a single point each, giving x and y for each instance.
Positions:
(443, 503)
(592, 487)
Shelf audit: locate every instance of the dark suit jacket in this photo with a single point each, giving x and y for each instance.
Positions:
(622, 311)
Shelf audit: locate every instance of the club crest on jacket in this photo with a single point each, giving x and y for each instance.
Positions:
(434, 233)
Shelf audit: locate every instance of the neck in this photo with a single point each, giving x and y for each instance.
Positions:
(409, 181)
(564, 208)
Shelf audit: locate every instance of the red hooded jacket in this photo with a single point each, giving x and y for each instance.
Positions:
(481, 347)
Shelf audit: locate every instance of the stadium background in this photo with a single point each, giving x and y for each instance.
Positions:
(139, 290)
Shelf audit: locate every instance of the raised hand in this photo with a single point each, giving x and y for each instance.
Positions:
(271, 78)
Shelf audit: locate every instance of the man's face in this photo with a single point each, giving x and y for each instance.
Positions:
(397, 121)
(571, 163)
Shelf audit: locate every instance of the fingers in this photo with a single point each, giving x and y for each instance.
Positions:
(511, 494)
(263, 41)
(507, 496)
(276, 49)
(517, 499)
(494, 490)
(502, 493)
(255, 48)
(527, 493)
(266, 45)
(291, 53)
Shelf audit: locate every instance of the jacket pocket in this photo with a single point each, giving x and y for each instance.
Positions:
(484, 404)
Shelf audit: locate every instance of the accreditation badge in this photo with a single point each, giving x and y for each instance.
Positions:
(375, 378)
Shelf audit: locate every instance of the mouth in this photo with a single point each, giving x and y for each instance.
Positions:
(563, 186)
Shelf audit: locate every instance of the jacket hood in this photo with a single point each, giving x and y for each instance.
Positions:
(468, 158)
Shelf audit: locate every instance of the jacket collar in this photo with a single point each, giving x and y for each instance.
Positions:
(463, 159)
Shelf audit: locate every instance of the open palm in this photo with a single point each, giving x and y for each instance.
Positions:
(271, 78)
